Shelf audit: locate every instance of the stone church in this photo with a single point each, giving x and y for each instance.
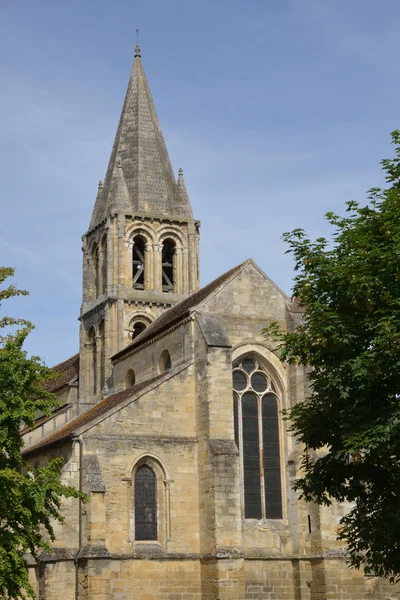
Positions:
(169, 418)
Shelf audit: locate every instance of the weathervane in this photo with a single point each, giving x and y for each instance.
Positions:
(137, 49)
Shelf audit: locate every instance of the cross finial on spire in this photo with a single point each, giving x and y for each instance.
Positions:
(137, 49)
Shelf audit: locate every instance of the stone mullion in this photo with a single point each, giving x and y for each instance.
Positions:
(128, 263)
(98, 351)
(185, 270)
(121, 251)
(84, 362)
(178, 270)
(107, 339)
(110, 257)
(148, 266)
(100, 270)
(192, 263)
(157, 267)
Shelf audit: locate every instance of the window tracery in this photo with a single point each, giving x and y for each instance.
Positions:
(256, 428)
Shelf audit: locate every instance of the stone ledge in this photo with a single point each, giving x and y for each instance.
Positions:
(224, 447)
(93, 552)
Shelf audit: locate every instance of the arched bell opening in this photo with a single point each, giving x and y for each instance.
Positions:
(138, 262)
(168, 265)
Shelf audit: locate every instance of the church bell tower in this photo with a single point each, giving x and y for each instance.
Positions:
(141, 252)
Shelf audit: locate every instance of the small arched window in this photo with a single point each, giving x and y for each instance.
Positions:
(137, 328)
(138, 263)
(130, 378)
(256, 427)
(145, 504)
(165, 362)
(168, 253)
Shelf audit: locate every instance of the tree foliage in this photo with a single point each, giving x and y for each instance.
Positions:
(29, 499)
(349, 337)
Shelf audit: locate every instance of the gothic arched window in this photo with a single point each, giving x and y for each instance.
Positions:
(138, 263)
(256, 426)
(145, 504)
(168, 253)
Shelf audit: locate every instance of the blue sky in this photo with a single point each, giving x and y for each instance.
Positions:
(277, 110)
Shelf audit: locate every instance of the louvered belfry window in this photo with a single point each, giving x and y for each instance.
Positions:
(145, 504)
(168, 251)
(256, 424)
(138, 263)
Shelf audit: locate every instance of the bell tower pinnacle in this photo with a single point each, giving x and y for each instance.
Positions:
(141, 252)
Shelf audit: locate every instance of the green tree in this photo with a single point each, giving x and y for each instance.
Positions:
(29, 499)
(349, 337)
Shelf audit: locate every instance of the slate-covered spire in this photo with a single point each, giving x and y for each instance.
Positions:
(139, 177)
(182, 201)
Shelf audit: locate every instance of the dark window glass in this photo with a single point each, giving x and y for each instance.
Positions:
(251, 457)
(168, 251)
(239, 381)
(168, 362)
(272, 474)
(137, 329)
(259, 382)
(138, 263)
(145, 504)
(248, 365)
(236, 418)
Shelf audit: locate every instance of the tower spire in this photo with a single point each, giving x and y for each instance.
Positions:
(147, 179)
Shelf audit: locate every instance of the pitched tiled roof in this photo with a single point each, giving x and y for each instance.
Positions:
(66, 371)
(180, 310)
(92, 413)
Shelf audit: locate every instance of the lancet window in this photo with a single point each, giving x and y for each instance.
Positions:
(256, 424)
(168, 253)
(145, 504)
(138, 263)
